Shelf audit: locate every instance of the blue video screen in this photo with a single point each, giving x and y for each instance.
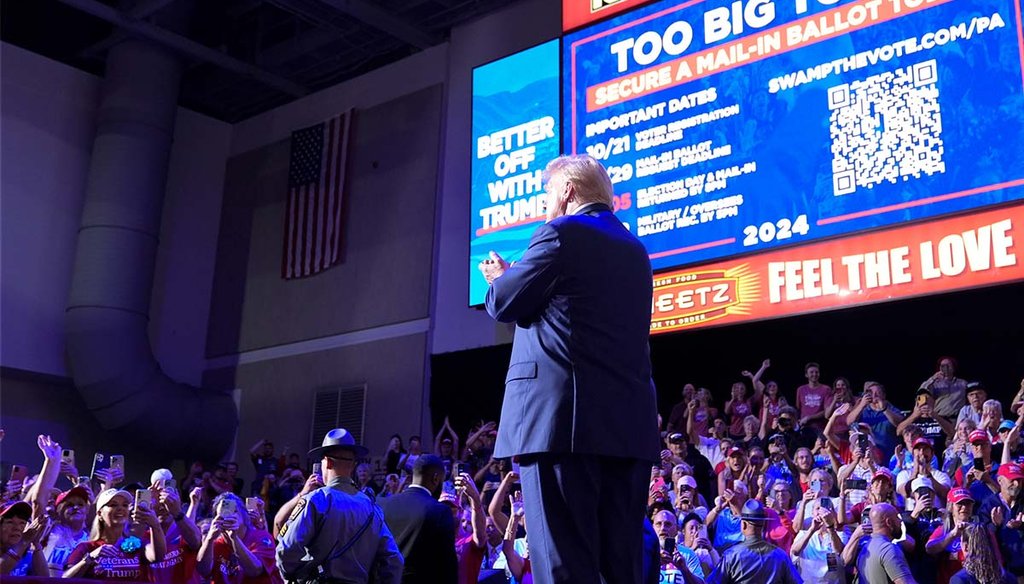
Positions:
(516, 131)
(733, 127)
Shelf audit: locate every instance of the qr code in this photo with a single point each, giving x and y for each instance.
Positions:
(886, 127)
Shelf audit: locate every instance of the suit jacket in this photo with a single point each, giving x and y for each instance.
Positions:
(425, 532)
(579, 380)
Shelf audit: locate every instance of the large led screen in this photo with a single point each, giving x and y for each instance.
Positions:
(733, 128)
(515, 134)
(928, 257)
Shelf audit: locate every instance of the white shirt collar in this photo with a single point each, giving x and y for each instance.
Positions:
(425, 490)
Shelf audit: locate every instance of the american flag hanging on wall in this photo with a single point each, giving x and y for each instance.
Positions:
(316, 180)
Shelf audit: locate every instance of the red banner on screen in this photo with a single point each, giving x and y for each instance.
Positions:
(576, 13)
(938, 256)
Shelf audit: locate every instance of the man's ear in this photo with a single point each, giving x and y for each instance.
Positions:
(570, 192)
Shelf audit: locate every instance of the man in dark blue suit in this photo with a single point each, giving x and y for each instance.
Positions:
(579, 409)
(423, 527)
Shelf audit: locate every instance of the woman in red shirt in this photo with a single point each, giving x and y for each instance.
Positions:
(945, 541)
(842, 393)
(234, 551)
(738, 408)
(119, 553)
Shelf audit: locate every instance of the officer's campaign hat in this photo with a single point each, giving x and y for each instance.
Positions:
(338, 439)
(753, 511)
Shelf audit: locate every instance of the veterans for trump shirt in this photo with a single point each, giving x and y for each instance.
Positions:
(179, 563)
(121, 566)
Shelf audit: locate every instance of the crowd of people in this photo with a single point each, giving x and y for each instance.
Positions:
(831, 487)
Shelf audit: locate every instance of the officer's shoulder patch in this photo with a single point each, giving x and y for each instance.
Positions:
(299, 506)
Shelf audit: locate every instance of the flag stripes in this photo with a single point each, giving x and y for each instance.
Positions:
(316, 179)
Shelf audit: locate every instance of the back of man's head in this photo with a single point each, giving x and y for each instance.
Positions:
(428, 471)
(587, 175)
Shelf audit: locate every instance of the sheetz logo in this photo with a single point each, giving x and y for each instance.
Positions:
(697, 297)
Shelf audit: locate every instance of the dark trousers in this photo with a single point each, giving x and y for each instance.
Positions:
(585, 517)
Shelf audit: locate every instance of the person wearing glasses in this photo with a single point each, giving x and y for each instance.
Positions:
(336, 532)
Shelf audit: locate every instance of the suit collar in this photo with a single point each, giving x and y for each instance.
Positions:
(420, 489)
(591, 208)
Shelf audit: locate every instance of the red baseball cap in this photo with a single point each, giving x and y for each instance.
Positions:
(737, 450)
(884, 473)
(73, 492)
(17, 509)
(978, 436)
(923, 442)
(959, 494)
(1010, 470)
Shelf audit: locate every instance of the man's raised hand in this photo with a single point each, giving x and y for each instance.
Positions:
(493, 267)
(50, 447)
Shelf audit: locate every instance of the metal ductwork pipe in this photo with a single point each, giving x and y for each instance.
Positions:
(108, 347)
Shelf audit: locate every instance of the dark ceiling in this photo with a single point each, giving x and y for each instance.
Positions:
(244, 56)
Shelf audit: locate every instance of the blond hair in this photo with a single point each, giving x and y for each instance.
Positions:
(980, 559)
(587, 176)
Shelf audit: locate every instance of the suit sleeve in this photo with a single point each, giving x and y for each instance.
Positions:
(792, 576)
(525, 287)
(448, 563)
(388, 563)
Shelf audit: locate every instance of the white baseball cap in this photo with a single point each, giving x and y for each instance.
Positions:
(160, 474)
(687, 481)
(104, 498)
(921, 482)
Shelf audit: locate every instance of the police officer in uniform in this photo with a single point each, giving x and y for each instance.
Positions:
(337, 533)
(754, 561)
